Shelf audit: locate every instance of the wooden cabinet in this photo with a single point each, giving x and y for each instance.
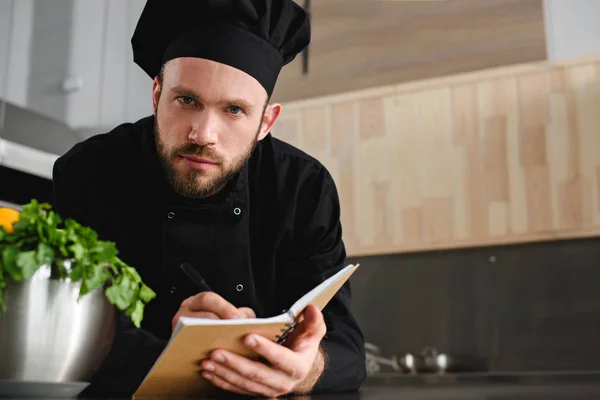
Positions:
(505, 155)
(360, 44)
(72, 60)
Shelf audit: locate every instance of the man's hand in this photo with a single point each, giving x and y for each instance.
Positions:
(210, 305)
(293, 369)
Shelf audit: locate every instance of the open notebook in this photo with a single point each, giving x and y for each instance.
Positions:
(177, 372)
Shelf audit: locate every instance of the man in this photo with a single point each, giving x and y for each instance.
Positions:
(203, 183)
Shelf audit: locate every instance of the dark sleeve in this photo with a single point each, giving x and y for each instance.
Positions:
(316, 253)
(134, 350)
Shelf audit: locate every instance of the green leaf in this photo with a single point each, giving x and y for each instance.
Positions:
(78, 251)
(129, 289)
(133, 275)
(40, 229)
(76, 273)
(86, 234)
(64, 251)
(53, 220)
(45, 206)
(2, 280)
(41, 236)
(9, 261)
(105, 251)
(83, 290)
(138, 314)
(116, 296)
(21, 225)
(146, 294)
(27, 261)
(45, 254)
(98, 277)
(130, 310)
(58, 238)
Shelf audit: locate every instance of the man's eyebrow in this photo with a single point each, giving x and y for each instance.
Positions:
(238, 102)
(185, 92)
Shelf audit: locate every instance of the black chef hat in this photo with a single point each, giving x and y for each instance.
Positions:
(258, 37)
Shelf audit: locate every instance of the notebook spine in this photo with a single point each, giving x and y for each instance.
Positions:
(286, 332)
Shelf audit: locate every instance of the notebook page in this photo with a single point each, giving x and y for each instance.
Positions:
(286, 317)
(310, 297)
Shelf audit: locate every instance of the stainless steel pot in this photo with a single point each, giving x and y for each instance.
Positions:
(47, 335)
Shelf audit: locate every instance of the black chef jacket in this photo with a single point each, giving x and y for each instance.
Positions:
(270, 236)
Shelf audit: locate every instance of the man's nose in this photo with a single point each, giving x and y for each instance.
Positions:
(204, 129)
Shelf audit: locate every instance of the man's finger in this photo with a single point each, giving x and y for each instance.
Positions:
(314, 323)
(200, 314)
(222, 384)
(240, 382)
(309, 332)
(212, 302)
(252, 370)
(197, 314)
(246, 312)
(279, 356)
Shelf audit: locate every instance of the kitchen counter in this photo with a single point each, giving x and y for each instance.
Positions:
(478, 386)
(484, 378)
(587, 391)
(463, 392)
(517, 386)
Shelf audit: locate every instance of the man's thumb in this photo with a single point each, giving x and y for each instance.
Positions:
(314, 323)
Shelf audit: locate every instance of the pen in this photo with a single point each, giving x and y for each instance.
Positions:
(195, 276)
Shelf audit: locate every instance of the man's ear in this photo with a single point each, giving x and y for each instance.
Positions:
(156, 88)
(272, 113)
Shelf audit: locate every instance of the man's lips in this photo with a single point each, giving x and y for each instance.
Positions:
(199, 162)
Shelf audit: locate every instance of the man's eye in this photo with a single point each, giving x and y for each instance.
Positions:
(186, 100)
(234, 110)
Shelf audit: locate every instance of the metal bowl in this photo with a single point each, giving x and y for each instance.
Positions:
(48, 335)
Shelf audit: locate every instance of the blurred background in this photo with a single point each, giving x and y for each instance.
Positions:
(463, 135)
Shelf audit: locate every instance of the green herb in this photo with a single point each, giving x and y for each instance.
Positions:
(72, 251)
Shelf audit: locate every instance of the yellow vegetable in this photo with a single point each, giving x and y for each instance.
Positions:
(8, 217)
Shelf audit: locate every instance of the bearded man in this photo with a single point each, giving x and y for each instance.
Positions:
(203, 183)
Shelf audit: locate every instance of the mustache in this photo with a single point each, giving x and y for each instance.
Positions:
(191, 149)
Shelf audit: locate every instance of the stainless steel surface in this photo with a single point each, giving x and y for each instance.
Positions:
(24, 148)
(428, 361)
(47, 335)
(375, 360)
(582, 391)
(461, 379)
(434, 361)
(10, 205)
(41, 390)
(408, 364)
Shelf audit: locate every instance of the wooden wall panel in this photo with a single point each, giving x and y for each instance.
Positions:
(499, 156)
(358, 44)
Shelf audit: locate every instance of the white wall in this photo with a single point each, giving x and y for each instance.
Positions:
(5, 25)
(572, 28)
(20, 41)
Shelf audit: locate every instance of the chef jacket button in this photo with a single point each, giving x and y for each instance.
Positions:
(239, 287)
(237, 211)
(173, 289)
(171, 215)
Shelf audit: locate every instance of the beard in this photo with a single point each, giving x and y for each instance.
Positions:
(193, 183)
